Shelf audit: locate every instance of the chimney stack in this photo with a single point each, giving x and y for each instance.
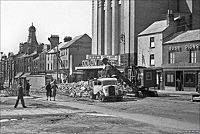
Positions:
(67, 38)
(54, 40)
(170, 17)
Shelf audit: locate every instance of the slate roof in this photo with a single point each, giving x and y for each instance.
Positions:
(69, 43)
(54, 50)
(191, 35)
(156, 27)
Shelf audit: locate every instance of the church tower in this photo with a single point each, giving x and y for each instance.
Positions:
(32, 36)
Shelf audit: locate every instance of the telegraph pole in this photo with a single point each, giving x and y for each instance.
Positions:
(57, 62)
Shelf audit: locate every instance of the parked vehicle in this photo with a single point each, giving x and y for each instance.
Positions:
(141, 79)
(106, 89)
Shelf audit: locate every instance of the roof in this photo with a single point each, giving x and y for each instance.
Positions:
(25, 75)
(18, 75)
(191, 35)
(156, 27)
(54, 50)
(69, 43)
(29, 55)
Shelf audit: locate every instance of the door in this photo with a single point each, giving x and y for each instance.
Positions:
(179, 80)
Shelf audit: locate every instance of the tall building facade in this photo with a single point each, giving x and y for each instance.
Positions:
(116, 23)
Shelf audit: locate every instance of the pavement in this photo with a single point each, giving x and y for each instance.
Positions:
(176, 92)
(85, 108)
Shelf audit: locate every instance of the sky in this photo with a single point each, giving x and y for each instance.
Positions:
(63, 18)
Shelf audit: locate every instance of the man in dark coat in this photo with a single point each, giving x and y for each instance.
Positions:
(48, 88)
(20, 96)
(28, 87)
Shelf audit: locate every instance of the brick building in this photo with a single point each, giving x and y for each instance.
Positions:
(181, 60)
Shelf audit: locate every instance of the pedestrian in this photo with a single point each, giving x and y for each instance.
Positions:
(48, 88)
(20, 96)
(179, 85)
(54, 87)
(28, 87)
(198, 88)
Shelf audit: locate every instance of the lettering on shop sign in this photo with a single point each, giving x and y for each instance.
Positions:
(91, 62)
(175, 48)
(100, 57)
(192, 47)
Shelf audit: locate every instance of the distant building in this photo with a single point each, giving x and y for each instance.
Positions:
(73, 53)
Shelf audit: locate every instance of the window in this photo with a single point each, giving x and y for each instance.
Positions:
(152, 62)
(193, 57)
(171, 57)
(152, 43)
(170, 78)
(149, 76)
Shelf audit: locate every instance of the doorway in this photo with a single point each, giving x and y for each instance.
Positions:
(179, 80)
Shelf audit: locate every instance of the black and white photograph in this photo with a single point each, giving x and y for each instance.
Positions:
(100, 67)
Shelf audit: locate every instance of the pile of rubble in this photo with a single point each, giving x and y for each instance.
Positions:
(79, 89)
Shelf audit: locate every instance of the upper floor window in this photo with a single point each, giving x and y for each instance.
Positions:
(171, 57)
(152, 61)
(152, 42)
(193, 56)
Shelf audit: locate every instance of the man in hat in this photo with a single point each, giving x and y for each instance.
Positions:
(20, 96)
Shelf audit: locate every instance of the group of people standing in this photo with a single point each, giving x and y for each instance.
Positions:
(51, 90)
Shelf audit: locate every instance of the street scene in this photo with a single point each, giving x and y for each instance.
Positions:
(100, 66)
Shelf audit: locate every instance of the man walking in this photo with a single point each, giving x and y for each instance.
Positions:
(54, 87)
(20, 96)
(48, 88)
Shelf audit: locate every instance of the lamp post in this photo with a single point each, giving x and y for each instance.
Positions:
(122, 39)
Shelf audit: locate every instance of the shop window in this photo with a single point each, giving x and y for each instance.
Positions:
(152, 62)
(170, 78)
(171, 57)
(149, 76)
(152, 42)
(189, 79)
(193, 56)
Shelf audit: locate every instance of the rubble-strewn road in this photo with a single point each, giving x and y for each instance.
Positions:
(78, 115)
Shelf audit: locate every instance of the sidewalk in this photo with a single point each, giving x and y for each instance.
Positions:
(176, 92)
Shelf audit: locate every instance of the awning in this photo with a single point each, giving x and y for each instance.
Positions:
(90, 68)
(19, 74)
(25, 75)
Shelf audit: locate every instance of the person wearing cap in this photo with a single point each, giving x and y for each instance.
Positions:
(20, 96)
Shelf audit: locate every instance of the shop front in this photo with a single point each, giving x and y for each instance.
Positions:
(181, 79)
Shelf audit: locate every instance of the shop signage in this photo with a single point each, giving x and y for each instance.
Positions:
(100, 57)
(187, 47)
(175, 48)
(91, 62)
(192, 47)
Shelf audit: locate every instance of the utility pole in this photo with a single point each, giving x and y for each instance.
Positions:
(57, 63)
